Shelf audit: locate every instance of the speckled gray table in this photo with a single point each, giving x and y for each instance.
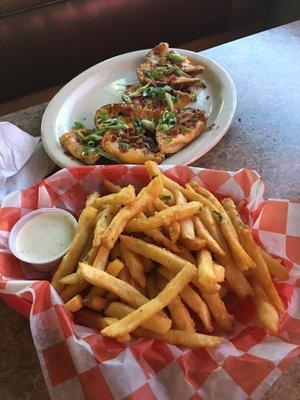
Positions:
(265, 135)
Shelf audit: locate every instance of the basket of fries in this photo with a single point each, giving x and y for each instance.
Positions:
(180, 283)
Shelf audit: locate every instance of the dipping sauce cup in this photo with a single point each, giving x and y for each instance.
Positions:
(42, 237)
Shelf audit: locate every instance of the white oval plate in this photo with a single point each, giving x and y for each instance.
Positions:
(104, 83)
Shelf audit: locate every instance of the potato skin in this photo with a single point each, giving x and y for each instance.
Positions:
(70, 142)
(181, 139)
(132, 155)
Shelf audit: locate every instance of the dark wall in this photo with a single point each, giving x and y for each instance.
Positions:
(282, 11)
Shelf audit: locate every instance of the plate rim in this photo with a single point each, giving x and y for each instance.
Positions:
(57, 101)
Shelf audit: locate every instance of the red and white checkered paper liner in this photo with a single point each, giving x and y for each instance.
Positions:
(78, 363)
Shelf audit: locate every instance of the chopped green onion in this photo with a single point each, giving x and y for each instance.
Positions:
(137, 125)
(148, 125)
(169, 137)
(139, 90)
(167, 121)
(78, 125)
(183, 128)
(103, 153)
(194, 98)
(176, 70)
(126, 98)
(169, 101)
(163, 127)
(218, 215)
(165, 197)
(176, 57)
(155, 73)
(102, 116)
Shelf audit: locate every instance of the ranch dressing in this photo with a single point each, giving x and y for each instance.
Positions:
(45, 237)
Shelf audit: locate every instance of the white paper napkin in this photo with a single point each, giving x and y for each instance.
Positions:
(23, 160)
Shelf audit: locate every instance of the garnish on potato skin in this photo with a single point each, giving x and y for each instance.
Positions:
(165, 66)
(152, 96)
(175, 130)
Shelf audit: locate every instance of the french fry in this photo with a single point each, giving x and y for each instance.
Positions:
(174, 231)
(186, 225)
(146, 311)
(121, 289)
(149, 210)
(187, 255)
(154, 171)
(104, 219)
(224, 290)
(137, 286)
(125, 276)
(160, 238)
(120, 310)
(94, 320)
(192, 299)
(218, 310)
(261, 273)
(89, 318)
(241, 205)
(175, 264)
(219, 272)
(87, 248)
(178, 312)
(157, 254)
(91, 255)
(107, 321)
(174, 227)
(115, 252)
(75, 304)
(111, 297)
(125, 196)
(114, 268)
(206, 272)
(111, 187)
(274, 266)
(96, 303)
(267, 313)
(203, 233)
(90, 198)
(159, 205)
(101, 257)
(195, 244)
(130, 211)
(70, 279)
(152, 290)
(134, 265)
(241, 257)
(164, 217)
(234, 275)
(180, 338)
(168, 197)
(233, 214)
(69, 262)
(72, 290)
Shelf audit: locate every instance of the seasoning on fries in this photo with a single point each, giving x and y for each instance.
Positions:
(150, 264)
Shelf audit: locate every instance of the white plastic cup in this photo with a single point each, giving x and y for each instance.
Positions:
(47, 264)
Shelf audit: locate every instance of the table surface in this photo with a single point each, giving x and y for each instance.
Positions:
(264, 136)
